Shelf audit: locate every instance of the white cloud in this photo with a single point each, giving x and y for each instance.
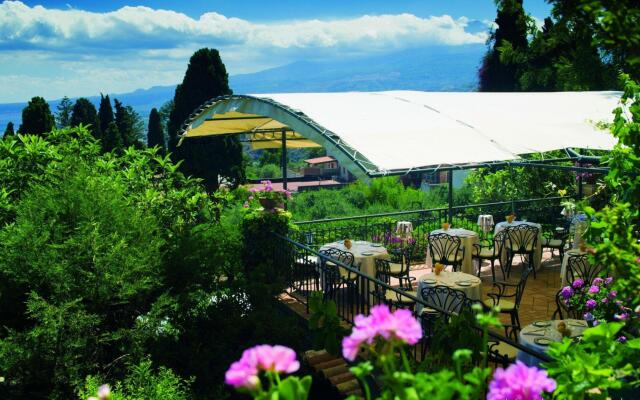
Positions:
(135, 37)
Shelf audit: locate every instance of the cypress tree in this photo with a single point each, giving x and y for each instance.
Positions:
(9, 130)
(129, 124)
(36, 117)
(496, 76)
(209, 158)
(155, 134)
(112, 141)
(105, 114)
(84, 112)
(63, 115)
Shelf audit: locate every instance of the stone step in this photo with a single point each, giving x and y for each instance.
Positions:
(330, 364)
(333, 371)
(341, 378)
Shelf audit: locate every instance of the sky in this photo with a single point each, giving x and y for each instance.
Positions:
(77, 48)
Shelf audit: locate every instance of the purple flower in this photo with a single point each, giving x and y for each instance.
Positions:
(520, 382)
(605, 300)
(597, 281)
(621, 317)
(608, 280)
(566, 292)
(244, 373)
(587, 316)
(612, 294)
(594, 289)
(596, 322)
(399, 325)
(591, 304)
(622, 339)
(578, 283)
(254, 190)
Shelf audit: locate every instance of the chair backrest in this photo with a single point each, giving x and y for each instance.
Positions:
(498, 242)
(521, 238)
(334, 254)
(446, 298)
(403, 256)
(521, 285)
(578, 266)
(563, 310)
(444, 247)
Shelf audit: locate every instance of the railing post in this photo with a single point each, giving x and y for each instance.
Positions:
(450, 177)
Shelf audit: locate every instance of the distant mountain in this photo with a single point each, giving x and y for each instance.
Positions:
(436, 68)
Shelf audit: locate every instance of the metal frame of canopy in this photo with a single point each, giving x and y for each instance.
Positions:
(308, 129)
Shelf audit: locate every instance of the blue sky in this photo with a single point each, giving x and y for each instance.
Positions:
(74, 48)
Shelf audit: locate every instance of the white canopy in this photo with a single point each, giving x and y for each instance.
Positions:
(394, 131)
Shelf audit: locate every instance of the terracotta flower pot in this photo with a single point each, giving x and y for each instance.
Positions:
(445, 226)
(268, 204)
(510, 218)
(347, 243)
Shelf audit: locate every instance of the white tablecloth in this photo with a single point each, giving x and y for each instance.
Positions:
(366, 262)
(565, 264)
(537, 255)
(474, 291)
(526, 339)
(468, 239)
(485, 222)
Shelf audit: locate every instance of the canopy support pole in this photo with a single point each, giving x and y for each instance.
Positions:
(450, 178)
(284, 163)
(580, 189)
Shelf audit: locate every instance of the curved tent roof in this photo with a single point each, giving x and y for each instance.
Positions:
(374, 133)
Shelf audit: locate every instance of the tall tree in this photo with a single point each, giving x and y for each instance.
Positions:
(84, 112)
(155, 133)
(111, 139)
(511, 21)
(36, 117)
(210, 158)
(129, 124)
(9, 130)
(63, 115)
(105, 114)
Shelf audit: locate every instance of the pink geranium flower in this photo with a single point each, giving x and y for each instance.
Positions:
(520, 382)
(399, 325)
(594, 289)
(244, 373)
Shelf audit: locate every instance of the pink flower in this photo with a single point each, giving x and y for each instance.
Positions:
(399, 325)
(591, 304)
(597, 281)
(608, 280)
(244, 373)
(104, 392)
(594, 289)
(605, 300)
(519, 382)
(612, 294)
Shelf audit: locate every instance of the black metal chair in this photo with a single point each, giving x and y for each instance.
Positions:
(563, 310)
(390, 297)
(490, 252)
(555, 241)
(578, 266)
(521, 240)
(335, 275)
(446, 250)
(503, 299)
(401, 264)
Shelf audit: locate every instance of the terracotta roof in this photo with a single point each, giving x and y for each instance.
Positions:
(320, 160)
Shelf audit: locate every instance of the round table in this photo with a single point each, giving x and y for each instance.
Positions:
(366, 261)
(537, 255)
(473, 291)
(468, 239)
(565, 263)
(530, 333)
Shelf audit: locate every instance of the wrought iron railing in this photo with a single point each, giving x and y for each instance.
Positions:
(546, 211)
(355, 293)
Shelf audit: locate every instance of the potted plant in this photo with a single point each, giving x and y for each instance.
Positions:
(268, 197)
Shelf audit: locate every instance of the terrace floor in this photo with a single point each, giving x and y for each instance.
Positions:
(538, 302)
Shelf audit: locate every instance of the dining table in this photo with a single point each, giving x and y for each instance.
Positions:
(540, 334)
(470, 284)
(467, 239)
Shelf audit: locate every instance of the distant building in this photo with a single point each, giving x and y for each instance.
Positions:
(326, 167)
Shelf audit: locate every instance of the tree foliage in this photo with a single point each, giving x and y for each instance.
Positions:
(36, 117)
(63, 113)
(210, 158)
(84, 113)
(511, 21)
(8, 131)
(105, 114)
(155, 132)
(129, 123)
